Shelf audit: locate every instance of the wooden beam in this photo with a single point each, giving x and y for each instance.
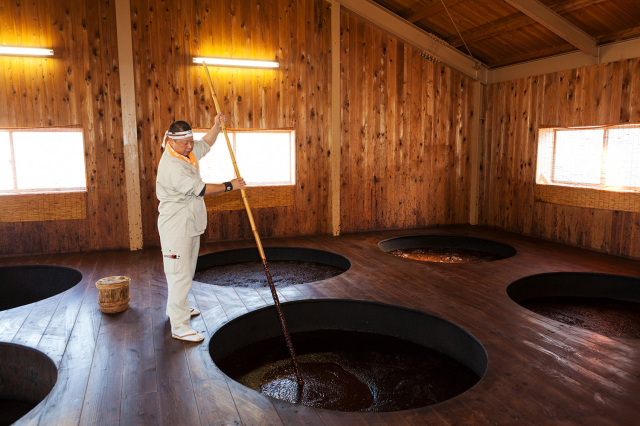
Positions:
(513, 22)
(129, 124)
(336, 108)
(557, 24)
(620, 35)
(430, 10)
(608, 53)
(530, 56)
(416, 37)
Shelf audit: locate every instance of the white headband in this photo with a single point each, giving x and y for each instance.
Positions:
(176, 135)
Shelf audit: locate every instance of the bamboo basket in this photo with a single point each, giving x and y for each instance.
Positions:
(113, 294)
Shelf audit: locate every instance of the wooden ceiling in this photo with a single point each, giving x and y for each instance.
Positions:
(498, 32)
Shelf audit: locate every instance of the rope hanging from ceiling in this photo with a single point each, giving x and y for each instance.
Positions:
(459, 33)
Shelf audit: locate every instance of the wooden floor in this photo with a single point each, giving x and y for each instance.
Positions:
(126, 369)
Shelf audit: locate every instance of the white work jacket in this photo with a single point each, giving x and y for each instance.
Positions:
(182, 212)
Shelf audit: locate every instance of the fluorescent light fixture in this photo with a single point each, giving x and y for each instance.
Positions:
(25, 51)
(241, 63)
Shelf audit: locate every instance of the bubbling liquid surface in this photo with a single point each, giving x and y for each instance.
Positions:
(446, 255)
(604, 316)
(251, 274)
(350, 371)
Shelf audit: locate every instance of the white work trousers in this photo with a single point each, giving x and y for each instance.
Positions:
(179, 255)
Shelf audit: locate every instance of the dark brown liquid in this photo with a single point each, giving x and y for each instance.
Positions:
(325, 385)
(351, 371)
(605, 316)
(446, 255)
(251, 274)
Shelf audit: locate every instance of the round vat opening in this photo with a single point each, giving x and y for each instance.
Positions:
(287, 265)
(446, 248)
(353, 355)
(602, 303)
(26, 378)
(24, 284)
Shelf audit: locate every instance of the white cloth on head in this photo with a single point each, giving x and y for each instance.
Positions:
(182, 219)
(176, 135)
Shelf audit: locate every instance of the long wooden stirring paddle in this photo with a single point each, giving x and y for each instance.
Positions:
(276, 301)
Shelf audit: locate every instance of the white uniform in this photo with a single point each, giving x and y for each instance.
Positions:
(182, 219)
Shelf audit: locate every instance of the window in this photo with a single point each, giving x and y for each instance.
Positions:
(40, 160)
(606, 157)
(264, 158)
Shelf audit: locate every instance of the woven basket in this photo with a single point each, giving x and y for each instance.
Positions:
(113, 294)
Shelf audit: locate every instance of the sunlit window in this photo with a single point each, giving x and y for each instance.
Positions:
(597, 157)
(35, 160)
(263, 157)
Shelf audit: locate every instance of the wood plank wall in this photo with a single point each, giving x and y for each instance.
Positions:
(78, 87)
(168, 34)
(405, 121)
(406, 134)
(601, 94)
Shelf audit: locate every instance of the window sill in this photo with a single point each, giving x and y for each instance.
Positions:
(44, 191)
(43, 206)
(587, 197)
(258, 197)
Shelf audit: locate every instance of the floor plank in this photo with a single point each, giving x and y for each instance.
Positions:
(55, 337)
(139, 354)
(138, 410)
(66, 400)
(126, 368)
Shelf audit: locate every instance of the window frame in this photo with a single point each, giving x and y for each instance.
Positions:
(15, 190)
(605, 146)
(232, 132)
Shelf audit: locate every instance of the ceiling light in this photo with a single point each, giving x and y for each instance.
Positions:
(25, 51)
(241, 63)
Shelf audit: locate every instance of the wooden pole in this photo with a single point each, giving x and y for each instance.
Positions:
(274, 294)
(336, 105)
(235, 165)
(129, 124)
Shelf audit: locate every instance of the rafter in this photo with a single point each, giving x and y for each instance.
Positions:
(429, 44)
(557, 24)
(529, 56)
(430, 10)
(608, 53)
(515, 21)
(620, 35)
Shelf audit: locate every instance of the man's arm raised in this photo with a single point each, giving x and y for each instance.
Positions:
(212, 135)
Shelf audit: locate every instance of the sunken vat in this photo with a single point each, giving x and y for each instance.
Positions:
(24, 284)
(353, 355)
(602, 303)
(288, 265)
(442, 248)
(27, 376)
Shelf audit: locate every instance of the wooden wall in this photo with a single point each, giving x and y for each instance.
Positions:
(406, 134)
(78, 87)
(405, 121)
(602, 94)
(168, 34)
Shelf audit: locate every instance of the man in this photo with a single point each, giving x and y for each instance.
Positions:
(183, 217)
